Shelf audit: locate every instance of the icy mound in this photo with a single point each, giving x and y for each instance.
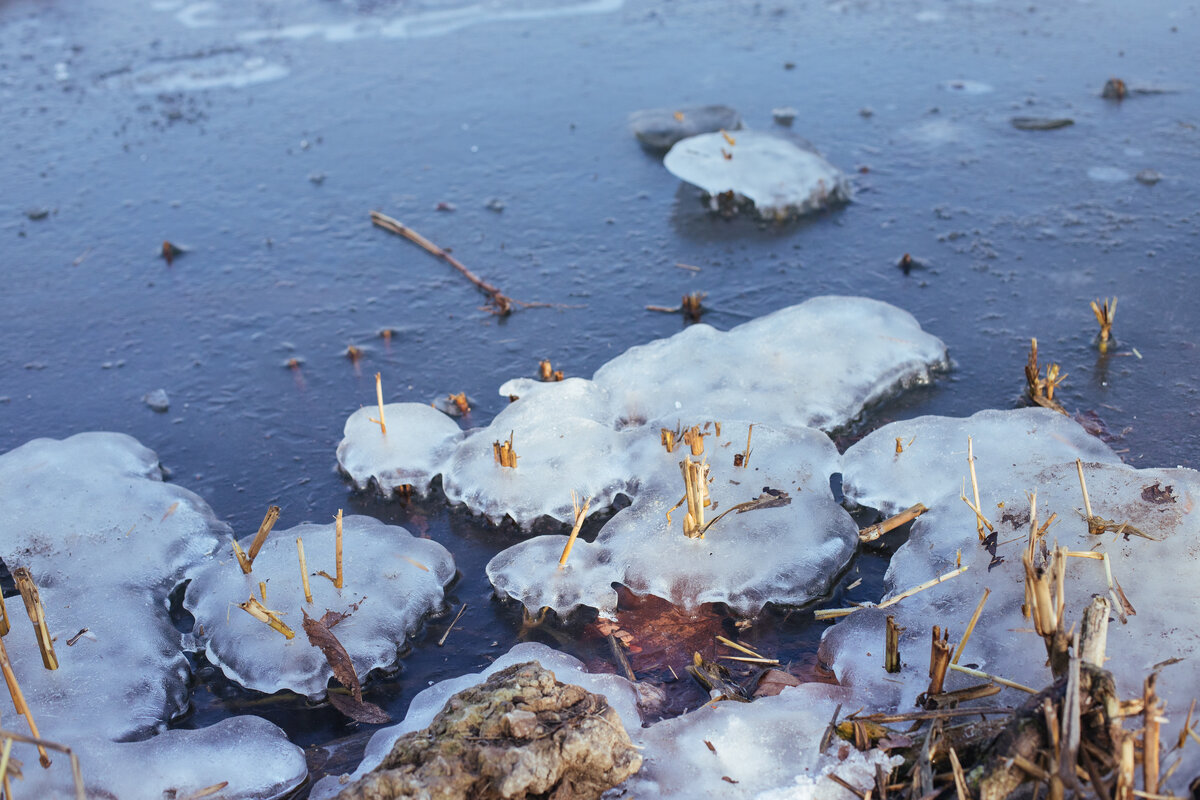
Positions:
(106, 540)
(391, 580)
(784, 541)
(1157, 576)
(814, 364)
(933, 461)
(778, 177)
(621, 695)
(766, 749)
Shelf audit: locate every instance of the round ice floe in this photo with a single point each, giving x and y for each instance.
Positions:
(816, 364)
(411, 453)
(780, 178)
(106, 541)
(620, 693)
(391, 580)
(785, 543)
(1156, 576)
(931, 458)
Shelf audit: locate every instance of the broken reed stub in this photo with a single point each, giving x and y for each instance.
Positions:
(580, 516)
(303, 570)
(379, 399)
(695, 482)
(22, 707)
(694, 439)
(37, 615)
(873, 532)
(242, 560)
(4, 625)
(272, 516)
(263, 614)
(547, 373)
(504, 454)
(891, 648)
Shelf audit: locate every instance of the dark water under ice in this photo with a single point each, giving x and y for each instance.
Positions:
(259, 135)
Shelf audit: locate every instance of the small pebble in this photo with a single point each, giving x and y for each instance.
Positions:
(157, 401)
(1149, 177)
(785, 115)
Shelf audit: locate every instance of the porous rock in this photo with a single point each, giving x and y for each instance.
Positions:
(519, 734)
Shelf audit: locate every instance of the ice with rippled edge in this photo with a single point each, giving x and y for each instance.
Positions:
(784, 552)
(391, 581)
(778, 176)
(816, 364)
(620, 693)
(1158, 576)
(106, 540)
(920, 460)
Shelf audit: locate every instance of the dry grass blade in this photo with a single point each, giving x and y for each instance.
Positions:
(37, 615)
(18, 698)
(450, 627)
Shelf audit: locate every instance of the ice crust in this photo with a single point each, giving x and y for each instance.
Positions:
(106, 540)
(808, 540)
(779, 177)
(621, 695)
(1157, 576)
(392, 580)
(816, 364)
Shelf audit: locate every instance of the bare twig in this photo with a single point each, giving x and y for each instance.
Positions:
(453, 622)
(873, 532)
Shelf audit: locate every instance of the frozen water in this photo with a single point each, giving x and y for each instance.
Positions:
(815, 364)
(391, 581)
(809, 538)
(933, 463)
(1157, 575)
(106, 540)
(780, 178)
(621, 695)
(770, 749)
(659, 128)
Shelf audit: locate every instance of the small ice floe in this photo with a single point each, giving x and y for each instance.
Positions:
(1107, 174)
(372, 585)
(659, 128)
(101, 543)
(157, 400)
(778, 177)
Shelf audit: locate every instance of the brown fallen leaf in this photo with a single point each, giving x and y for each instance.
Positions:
(775, 681)
(1157, 494)
(321, 637)
(359, 710)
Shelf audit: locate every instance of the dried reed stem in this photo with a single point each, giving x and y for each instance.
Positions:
(1151, 764)
(975, 487)
(980, 518)
(742, 459)
(264, 528)
(4, 626)
(971, 626)
(547, 372)
(667, 437)
(242, 560)
(504, 454)
(379, 399)
(695, 482)
(960, 780)
(1093, 634)
(37, 615)
(739, 647)
(939, 660)
(580, 516)
(453, 622)
(694, 439)
(303, 570)
(262, 590)
(891, 649)
(873, 532)
(263, 614)
(18, 698)
(954, 573)
(338, 582)
(1104, 315)
(993, 678)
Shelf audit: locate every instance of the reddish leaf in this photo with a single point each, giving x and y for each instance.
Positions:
(320, 636)
(359, 710)
(775, 681)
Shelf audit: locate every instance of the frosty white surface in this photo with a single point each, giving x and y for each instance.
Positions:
(814, 364)
(808, 537)
(770, 748)
(1158, 576)
(391, 580)
(779, 177)
(106, 540)
(412, 452)
(934, 458)
(620, 693)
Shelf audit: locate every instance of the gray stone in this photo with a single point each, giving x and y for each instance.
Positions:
(157, 400)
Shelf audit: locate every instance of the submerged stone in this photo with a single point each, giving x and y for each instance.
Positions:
(778, 177)
(659, 128)
(519, 734)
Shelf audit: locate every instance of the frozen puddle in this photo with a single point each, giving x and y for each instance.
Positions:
(106, 540)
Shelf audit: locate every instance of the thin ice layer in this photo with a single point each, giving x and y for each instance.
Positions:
(780, 504)
(780, 178)
(391, 581)
(620, 693)
(815, 364)
(921, 460)
(106, 540)
(1157, 576)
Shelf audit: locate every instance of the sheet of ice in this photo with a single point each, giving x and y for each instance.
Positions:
(787, 552)
(106, 540)
(412, 453)
(815, 364)
(768, 749)
(1158, 577)
(621, 695)
(392, 580)
(780, 178)
(933, 463)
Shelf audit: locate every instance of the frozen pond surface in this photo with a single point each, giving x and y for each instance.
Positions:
(259, 137)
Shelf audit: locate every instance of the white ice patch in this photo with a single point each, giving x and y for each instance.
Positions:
(779, 177)
(106, 540)
(222, 69)
(1157, 576)
(620, 693)
(391, 580)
